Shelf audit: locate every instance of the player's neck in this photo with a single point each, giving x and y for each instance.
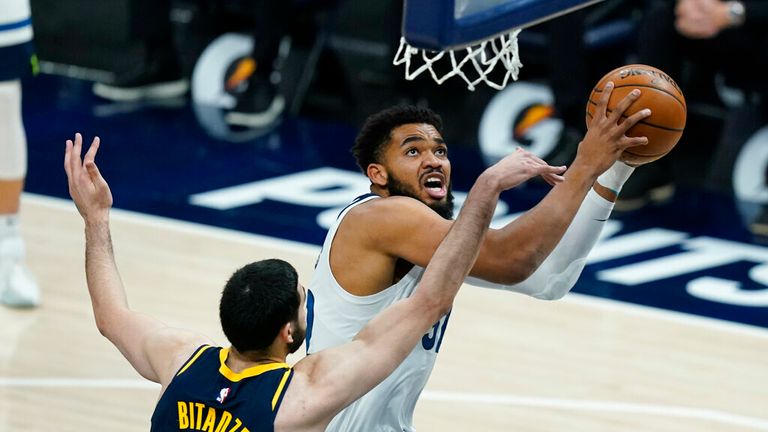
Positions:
(238, 361)
(380, 191)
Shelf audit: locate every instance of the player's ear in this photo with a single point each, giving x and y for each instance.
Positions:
(377, 174)
(286, 333)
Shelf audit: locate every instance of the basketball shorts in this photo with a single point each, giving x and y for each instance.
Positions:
(16, 61)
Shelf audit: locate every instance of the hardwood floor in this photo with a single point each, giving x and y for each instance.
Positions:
(508, 362)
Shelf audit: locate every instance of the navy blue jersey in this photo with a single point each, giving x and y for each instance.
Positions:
(205, 395)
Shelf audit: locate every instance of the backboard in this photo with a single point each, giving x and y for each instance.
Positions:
(438, 25)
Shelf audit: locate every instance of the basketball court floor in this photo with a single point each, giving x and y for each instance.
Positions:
(667, 329)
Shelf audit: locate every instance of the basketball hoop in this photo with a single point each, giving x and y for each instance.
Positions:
(474, 63)
(475, 40)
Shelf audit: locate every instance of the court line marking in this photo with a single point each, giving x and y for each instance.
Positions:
(105, 383)
(243, 237)
(180, 226)
(448, 396)
(664, 314)
(599, 406)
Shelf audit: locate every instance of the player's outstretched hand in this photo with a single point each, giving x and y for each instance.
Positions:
(88, 189)
(606, 138)
(522, 165)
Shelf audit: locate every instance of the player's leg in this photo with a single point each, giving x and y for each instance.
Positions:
(17, 288)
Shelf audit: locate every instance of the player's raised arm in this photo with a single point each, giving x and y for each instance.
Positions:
(326, 382)
(512, 253)
(407, 228)
(153, 349)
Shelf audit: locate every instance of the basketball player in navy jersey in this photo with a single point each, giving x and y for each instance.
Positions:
(376, 251)
(248, 386)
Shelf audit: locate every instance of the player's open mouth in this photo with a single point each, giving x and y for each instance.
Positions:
(434, 184)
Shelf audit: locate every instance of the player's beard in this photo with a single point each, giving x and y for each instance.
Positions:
(444, 207)
(298, 337)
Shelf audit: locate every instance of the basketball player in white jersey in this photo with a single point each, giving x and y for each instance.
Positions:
(376, 251)
(17, 287)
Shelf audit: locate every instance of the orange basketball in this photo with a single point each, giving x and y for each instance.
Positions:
(661, 94)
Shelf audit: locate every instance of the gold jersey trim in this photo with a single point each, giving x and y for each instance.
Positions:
(279, 390)
(192, 360)
(246, 373)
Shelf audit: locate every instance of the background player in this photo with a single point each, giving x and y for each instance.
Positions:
(376, 250)
(261, 313)
(17, 288)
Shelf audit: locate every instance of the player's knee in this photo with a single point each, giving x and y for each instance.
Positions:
(13, 170)
(13, 159)
(13, 146)
(10, 91)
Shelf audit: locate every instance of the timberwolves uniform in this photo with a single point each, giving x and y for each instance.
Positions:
(16, 51)
(205, 395)
(335, 316)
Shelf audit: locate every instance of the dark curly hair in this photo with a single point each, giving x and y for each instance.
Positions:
(377, 130)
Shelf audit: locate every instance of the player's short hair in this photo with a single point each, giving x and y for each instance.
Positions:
(377, 131)
(257, 301)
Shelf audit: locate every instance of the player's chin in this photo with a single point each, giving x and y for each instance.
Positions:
(430, 200)
(435, 196)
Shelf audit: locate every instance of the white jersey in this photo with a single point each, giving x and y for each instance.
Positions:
(335, 316)
(15, 22)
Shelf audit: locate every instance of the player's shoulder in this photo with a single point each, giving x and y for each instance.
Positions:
(170, 348)
(386, 218)
(388, 206)
(305, 396)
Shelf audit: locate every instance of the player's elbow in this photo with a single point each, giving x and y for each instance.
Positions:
(104, 327)
(552, 293)
(442, 309)
(557, 284)
(438, 309)
(108, 324)
(434, 308)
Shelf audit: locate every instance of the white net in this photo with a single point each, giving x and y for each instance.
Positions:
(474, 64)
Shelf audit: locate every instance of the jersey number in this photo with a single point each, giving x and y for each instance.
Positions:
(434, 337)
